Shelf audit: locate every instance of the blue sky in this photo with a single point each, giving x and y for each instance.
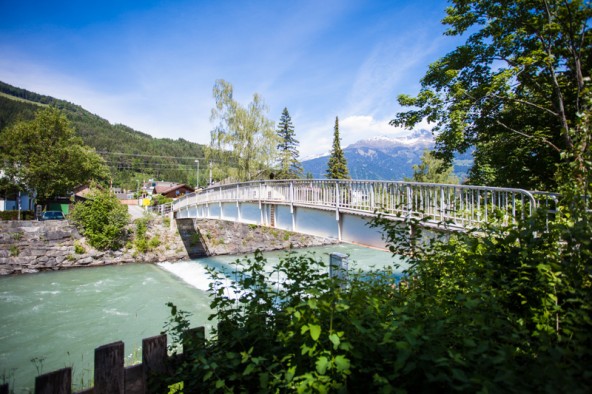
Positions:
(151, 65)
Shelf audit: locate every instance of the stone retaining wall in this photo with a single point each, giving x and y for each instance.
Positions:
(33, 246)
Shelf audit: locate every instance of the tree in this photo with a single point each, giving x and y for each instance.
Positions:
(45, 156)
(244, 138)
(337, 165)
(433, 170)
(513, 90)
(290, 166)
(102, 219)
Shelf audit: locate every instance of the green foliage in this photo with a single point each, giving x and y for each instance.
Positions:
(433, 170)
(504, 310)
(159, 199)
(290, 166)
(14, 251)
(513, 90)
(145, 157)
(142, 242)
(102, 219)
(45, 155)
(166, 221)
(337, 165)
(244, 137)
(13, 215)
(78, 248)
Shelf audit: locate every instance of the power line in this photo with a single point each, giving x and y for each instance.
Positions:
(155, 156)
(150, 165)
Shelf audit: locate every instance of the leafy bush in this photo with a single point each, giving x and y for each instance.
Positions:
(142, 243)
(13, 215)
(101, 219)
(79, 248)
(154, 242)
(159, 199)
(166, 221)
(506, 312)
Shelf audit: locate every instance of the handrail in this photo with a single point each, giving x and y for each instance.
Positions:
(461, 205)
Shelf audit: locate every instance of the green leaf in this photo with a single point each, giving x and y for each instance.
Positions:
(322, 364)
(315, 331)
(290, 373)
(249, 370)
(334, 338)
(342, 363)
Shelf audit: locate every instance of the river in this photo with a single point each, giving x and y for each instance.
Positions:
(53, 320)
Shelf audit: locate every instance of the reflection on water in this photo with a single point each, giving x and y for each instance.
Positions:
(56, 319)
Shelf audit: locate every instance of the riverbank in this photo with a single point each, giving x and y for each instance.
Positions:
(34, 246)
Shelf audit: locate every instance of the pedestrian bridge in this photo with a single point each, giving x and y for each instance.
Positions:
(342, 209)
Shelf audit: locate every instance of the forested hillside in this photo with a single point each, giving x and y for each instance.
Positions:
(131, 155)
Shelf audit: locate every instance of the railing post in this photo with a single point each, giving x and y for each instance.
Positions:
(336, 200)
(409, 202)
(442, 203)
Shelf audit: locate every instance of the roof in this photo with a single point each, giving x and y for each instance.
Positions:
(164, 189)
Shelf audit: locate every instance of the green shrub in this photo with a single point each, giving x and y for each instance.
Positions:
(154, 242)
(159, 199)
(101, 219)
(13, 215)
(166, 221)
(78, 248)
(508, 312)
(141, 242)
(14, 251)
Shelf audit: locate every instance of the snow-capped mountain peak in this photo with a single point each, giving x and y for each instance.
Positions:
(418, 139)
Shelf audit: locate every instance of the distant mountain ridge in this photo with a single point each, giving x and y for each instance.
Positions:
(386, 158)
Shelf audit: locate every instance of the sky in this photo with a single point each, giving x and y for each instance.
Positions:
(151, 65)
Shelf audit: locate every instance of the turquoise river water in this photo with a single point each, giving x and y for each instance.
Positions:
(53, 320)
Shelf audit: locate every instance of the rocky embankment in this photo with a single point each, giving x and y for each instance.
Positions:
(33, 246)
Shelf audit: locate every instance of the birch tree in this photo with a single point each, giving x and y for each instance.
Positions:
(244, 137)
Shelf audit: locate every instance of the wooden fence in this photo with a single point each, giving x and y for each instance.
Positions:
(110, 375)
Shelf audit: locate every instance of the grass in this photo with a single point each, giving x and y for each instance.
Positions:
(8, 96)
(14, 251)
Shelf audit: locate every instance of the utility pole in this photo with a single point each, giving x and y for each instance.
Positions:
(197, 180)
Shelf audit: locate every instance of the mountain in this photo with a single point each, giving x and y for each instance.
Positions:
(386, 158)
(131, 155)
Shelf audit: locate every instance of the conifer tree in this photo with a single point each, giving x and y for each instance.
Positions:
(290, 166)
(337, 165)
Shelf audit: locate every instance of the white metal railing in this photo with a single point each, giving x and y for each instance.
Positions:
(460, 205)
(162, 209)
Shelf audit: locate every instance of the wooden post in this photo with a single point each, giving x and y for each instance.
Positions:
(109, 372)
(57, 382)
(154, 357)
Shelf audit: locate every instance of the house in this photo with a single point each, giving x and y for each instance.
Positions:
(167, 189)
(11, 199)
